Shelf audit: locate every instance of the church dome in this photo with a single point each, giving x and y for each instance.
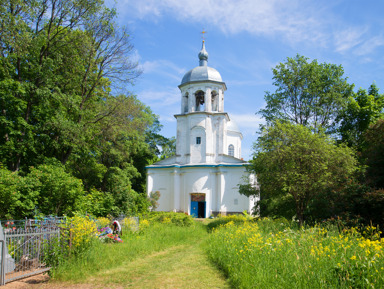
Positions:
(202, 72)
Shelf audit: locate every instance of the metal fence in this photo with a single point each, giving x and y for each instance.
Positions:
(24, 244)
(23, 247)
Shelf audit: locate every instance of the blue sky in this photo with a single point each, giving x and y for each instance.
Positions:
(245, 40)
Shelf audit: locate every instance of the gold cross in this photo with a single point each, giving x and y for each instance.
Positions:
(203, 32)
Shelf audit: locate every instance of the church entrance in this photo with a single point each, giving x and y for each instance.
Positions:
(198, 205)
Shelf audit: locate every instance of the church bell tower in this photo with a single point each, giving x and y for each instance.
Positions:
(202, 123)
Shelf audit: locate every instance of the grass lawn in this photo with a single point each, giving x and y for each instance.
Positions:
(163, 256)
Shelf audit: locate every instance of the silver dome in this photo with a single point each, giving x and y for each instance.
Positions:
(202, 72)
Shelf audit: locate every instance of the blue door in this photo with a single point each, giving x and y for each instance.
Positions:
(194, 209)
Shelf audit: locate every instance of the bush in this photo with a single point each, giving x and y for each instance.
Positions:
(222, 220)
(178, 219)
(79, 231)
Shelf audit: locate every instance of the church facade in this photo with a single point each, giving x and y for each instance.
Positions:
(203, 178)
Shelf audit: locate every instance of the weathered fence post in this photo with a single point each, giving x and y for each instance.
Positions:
(2, 276)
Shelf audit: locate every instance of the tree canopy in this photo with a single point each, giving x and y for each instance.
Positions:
(64, 65)
(292, 160)
(307, 93)
(362, 110)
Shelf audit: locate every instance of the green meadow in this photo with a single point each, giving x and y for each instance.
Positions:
(229, 252)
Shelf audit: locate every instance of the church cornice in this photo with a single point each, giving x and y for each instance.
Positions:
(204, 82)
(203, 113)
(197, 166)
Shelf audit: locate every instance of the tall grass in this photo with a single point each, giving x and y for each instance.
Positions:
(152, 238)
(272, 254)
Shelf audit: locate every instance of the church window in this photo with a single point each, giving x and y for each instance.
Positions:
(198, 140)
(231, 150)
(199, 100)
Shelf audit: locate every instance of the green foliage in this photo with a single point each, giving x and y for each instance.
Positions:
(291, 160)
(362, 110)
(278, 254)
(17, 196)
(47, 188)
(222, 220)
(153, 198)
(58, 72)
(58, 190)
(55, 253)
(373, 154)
(178, 219)
(95, 203)
(307, 93)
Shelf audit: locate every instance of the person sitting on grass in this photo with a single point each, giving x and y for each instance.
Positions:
(117, 228)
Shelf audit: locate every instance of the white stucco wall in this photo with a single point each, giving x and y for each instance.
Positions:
(219, 184)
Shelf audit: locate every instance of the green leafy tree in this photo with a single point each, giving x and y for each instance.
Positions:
(373, 154)
(60, 62)
(290, 159)
(17, 197)
(57, 190)
(307, 93)
(363, 109)
(96, 203)
(59, 59)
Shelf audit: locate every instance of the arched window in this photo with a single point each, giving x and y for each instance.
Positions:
(199, 100)
(231, 150)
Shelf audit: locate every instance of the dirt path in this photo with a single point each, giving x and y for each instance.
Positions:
(184, 266)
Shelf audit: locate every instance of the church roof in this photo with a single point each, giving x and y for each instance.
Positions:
(202, 72)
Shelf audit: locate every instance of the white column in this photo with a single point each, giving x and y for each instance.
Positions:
(221, 190)
(149, 183)
(193, 100)
(213, 195)
(221, 100)
(182, 101)
(176, 190)
(190, 100)
(208, 98)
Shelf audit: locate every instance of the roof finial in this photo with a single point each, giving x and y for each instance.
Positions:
(203, 54)
(203, 35)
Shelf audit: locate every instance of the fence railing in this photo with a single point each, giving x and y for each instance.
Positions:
(24, 243)
(22, 249)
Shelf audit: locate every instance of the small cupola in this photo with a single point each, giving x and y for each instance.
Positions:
(203, 56)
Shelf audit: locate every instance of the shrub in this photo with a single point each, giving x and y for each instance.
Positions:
(79, 232)
(130, 224)
(222, 220)
(178, 219)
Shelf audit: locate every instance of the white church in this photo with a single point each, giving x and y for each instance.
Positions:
(203, 178)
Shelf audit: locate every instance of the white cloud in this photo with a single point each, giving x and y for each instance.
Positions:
(166, 97)
(248, 124)
(348, 38)
(370, 45)
(164, 67)
(291, 19)
(295, 21)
